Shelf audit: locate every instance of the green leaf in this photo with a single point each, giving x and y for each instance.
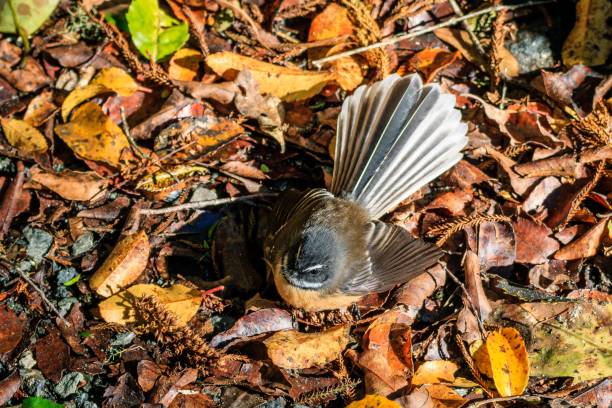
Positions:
(73, 280)
(30, 14)
(39, 402)
(155, 33)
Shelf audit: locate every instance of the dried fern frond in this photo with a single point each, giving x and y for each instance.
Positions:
(181, 341)
(513, 151)
(346, 386)
(586, 190)
(302, 8)
(446, 230)
(594, 130)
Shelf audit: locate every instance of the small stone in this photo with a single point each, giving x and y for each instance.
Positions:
(83, 244)
(69, 384)
(39, 242)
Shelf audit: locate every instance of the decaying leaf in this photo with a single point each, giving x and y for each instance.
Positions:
(108, 80)
(124, 265)
(294, 350)
(253, 324)
(93, 136)
(443, 396)
(11, 329)
(435, 372)
(184, 64)
(374, 401)
(589, 41)
(23, 136)
(509, 362)
(181, 301)
(586, 245)
(70, 184)
(288, 84)
(431, 60)
(533, 241)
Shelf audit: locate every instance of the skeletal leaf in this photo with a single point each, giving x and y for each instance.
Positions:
(71, 185)
(23, 136)
(181, 301)
(294, 350)
(509, 362)
(108, 80)
(92, 135)
(124, 265)
(289, 84)
(589, 41)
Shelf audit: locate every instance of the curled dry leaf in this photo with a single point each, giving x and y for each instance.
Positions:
(374, 401)
(181, 301)
(589, 41)
(108, 80)
(288, 84)
(586, 245)
(430, 61)
(477, 302)
(184, 64)
(414, 293)
(11, 330)
(435, 372)
(9, 386)
(71, 185)
(253, 324)
(124, 265)
(295, 350)
(509, 362)
(40, 108)
(24, 137)
(442, 396)
(93, 136)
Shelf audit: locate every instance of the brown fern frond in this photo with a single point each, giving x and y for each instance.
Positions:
(180, 341)
(594, 129)
(300, 9)
(446, 230)
(345, 387)
(586, 190)
(497, 47)
(196, 29)
(513, 151)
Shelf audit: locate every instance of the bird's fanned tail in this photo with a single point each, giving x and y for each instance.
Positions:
(393, 138)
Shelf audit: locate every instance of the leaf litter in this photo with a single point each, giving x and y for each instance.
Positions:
(130, 275)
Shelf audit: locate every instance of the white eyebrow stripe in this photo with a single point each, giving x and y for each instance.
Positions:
(313, 268)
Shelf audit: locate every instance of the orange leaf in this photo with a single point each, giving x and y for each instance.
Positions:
(374, 401)
(70, 184)
(443, 396)
(184, 64)
(123, 266)
(332, 22)
(431, 60)
(435, 372)
(509, 362)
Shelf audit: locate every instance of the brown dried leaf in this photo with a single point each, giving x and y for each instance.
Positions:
(40, 108)
(467, 322)
(52, 355)
(71, 185)
(496, 245)
(148, 373)
(294, 350)
(533, 242)
(11, 330)
(430, 61)
(181, 301)
(124, 265)
(253, 324)
(585, 246)
(9, 386)
(414, 293)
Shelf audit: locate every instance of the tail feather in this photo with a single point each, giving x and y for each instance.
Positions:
(394, 137)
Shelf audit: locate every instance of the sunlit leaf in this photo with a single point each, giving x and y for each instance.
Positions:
(509, 362)
(374, 401)
(155, 33)
(435, 372)
(184, 64)
(23, 136)
(31, 14)
(71, 185)
(589, 41)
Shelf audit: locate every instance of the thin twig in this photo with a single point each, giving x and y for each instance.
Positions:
(202, 204)
(42, 295)
(403, 36)
(467, 27)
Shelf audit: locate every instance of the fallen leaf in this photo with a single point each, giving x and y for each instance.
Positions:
(184, 64)
(71, 185)
(30, 14)
(561, 85)
(9, 386)
(295, 350)
(93, 136)
(585, 246)
(332, 22)
(107, 80)
(40, 108)
(509, 362)
(374, 401)
(39, 402)
(435, 372)
(533, 241)
(181, 301)
(148, 373)
(589, 42)
(52, 356)
(24, 137)
(29, 76)
(417, 290)
(124, 265)
(154, 32)
(443, 396)
(11, 330)
(288, 84)
(598, 396)
(253, 324)
(496, 245)
(71, 55)
(430, 61)
(461, 40)
(477, 302)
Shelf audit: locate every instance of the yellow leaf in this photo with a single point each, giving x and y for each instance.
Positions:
(478, 350)
(509, 362)
(589, 41)
(443, 396)
(294, 350)
(124, 265)
(374, 401)
(435, 372)
(23, 136)
(71, 185)
(108, 80)
(332, 22)
(181, 301)
(184, 64)
(93, 136)
(289, 84)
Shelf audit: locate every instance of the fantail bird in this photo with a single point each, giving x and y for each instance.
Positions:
(326, 249)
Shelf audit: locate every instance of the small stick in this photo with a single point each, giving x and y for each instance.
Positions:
(403, 36)
(42, 295)
(201, 204)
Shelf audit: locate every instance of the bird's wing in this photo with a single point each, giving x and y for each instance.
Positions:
(395, 257)
(294, 204)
